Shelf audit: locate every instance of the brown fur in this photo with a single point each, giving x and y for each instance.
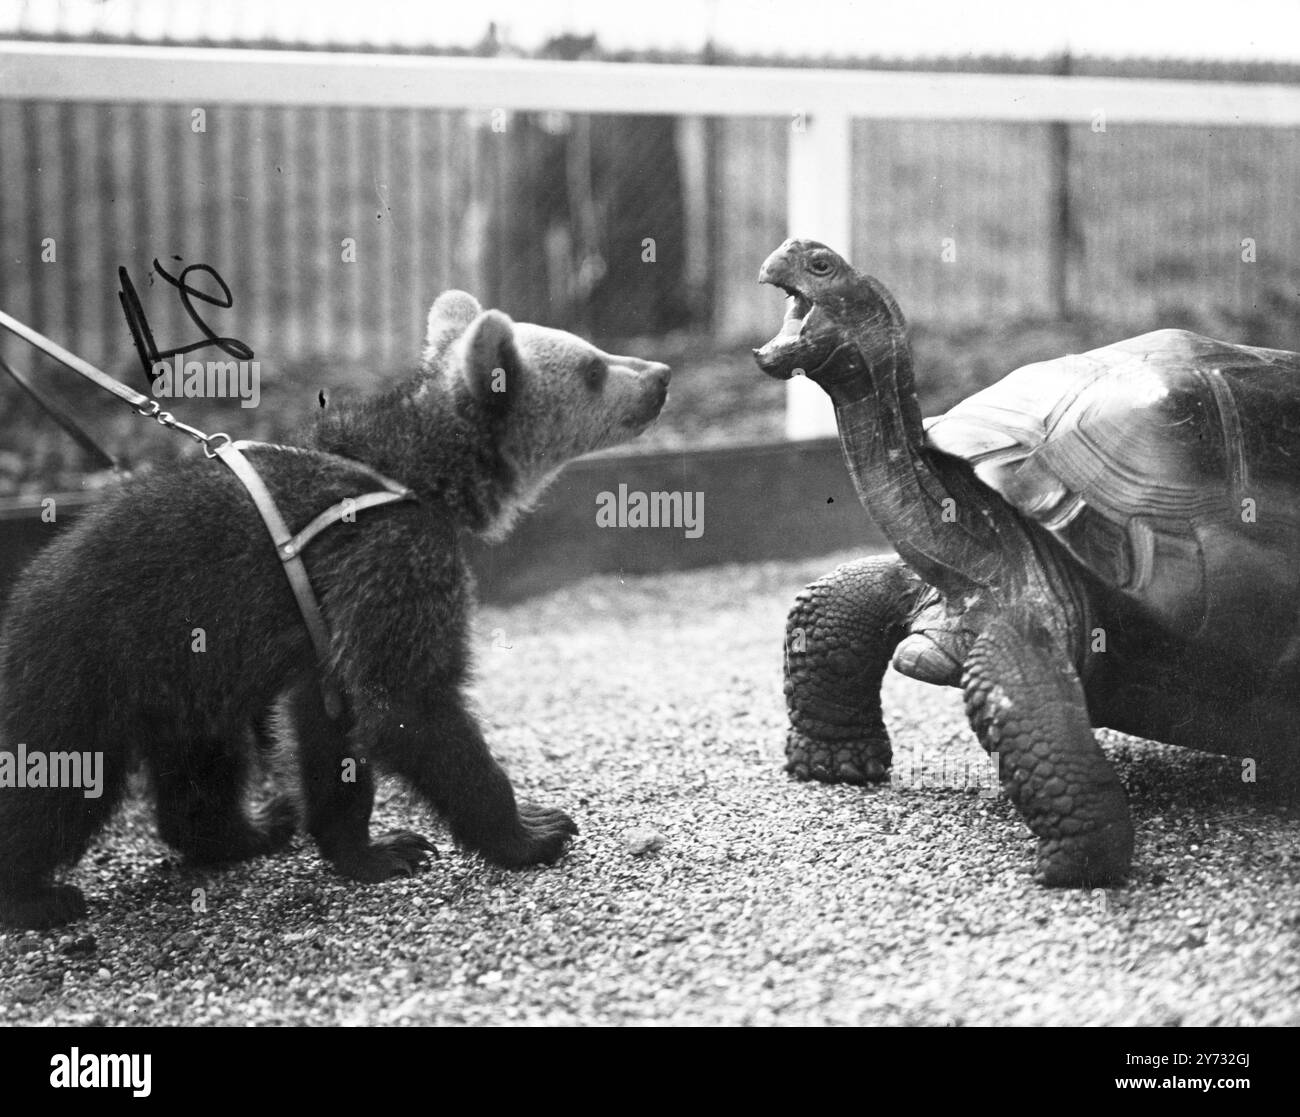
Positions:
(95, 646)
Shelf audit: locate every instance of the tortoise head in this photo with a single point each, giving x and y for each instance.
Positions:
(830, 304)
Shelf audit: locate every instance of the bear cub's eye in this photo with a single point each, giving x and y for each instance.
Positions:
(595, 373)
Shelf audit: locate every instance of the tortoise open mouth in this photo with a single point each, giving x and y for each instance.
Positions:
(797, 309)
(780, 357)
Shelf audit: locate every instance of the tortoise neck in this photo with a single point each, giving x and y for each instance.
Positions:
(939, 518)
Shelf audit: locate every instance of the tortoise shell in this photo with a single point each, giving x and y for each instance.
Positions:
(1168, 466)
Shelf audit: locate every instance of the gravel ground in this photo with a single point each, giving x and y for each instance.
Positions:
(706, 886)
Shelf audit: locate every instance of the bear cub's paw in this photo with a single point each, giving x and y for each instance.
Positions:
(276, 822)
(44, 908)
(543, 835)
(267, 830)
(397, 854)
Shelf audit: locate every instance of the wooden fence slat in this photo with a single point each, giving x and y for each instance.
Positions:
(16, 209)
(38, 220)
(383, 338)
(327, 235)
(418, 236)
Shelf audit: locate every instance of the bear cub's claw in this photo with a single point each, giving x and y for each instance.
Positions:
(397, 854)
(277, 820)
(544, 832)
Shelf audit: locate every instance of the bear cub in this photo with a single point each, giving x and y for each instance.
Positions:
(162, 629)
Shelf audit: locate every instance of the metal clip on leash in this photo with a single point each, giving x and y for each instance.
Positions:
(167, 419)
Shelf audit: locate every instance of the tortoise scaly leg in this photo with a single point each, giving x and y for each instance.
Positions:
(1025, 702)
(840, 635)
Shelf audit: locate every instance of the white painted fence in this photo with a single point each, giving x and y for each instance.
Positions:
(820, 104)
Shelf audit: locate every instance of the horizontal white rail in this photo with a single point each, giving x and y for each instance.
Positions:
(100, 72)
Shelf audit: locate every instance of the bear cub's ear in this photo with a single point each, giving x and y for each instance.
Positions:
(450, 316)
(487, 360)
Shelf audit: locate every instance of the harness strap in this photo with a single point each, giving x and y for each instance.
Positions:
(345, 509)
(289, 547)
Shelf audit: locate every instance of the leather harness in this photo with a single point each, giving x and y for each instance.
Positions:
(289, 547)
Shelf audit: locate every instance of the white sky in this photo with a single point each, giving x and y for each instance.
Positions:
(1240, 29)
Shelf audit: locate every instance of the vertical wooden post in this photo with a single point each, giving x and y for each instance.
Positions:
(818, 207)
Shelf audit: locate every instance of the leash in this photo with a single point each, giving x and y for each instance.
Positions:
(138, 402)
(288, 545)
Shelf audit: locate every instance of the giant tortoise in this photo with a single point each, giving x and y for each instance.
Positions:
(1105, 539)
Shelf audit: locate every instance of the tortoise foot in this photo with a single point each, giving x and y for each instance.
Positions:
(1027, 706)
(1094, 860)
(856, 761)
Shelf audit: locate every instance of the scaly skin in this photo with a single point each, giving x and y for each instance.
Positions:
(1025, 703)
(839, 638)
